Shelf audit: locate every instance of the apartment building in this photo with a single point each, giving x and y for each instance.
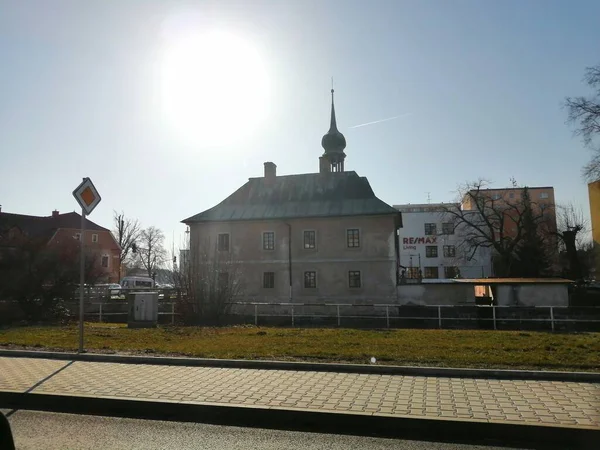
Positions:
(431, 247)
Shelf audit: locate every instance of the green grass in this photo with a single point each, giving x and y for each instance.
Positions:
(449, 348)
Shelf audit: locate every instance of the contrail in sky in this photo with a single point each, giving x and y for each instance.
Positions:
(382, 120)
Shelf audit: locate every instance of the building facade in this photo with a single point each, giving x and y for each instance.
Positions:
(302, 238)
(594, 195)
(431, 247)
(62, 231)
(542, 201)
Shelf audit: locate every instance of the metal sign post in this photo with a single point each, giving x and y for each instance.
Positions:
(88, 198)
(81, 279)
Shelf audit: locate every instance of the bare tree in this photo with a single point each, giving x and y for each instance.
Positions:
(585, 113)
(126, 233)
(150, 248)
(571, 228)
(502, 225)
(212, 280)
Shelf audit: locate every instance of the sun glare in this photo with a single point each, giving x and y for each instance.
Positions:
(214, 88)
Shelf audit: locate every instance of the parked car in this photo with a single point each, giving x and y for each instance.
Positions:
(114, 289)
(137, 283)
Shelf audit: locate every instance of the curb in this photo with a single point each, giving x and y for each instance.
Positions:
(442, 372)
(437, 430)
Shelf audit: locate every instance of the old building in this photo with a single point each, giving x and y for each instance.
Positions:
(306, 237)
(63, 231)
(431, 246)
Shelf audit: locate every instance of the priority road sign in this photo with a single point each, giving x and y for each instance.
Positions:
(87, 196)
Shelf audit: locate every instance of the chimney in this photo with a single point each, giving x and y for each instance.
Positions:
(270, 171)
(324, 166)
(55, 213)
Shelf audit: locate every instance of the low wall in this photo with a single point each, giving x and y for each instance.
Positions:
(436, 294)
(533, 295)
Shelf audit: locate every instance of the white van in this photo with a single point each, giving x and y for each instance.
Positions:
(137, 283)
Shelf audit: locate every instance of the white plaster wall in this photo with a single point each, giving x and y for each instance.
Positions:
(533, 295)
(436, 294)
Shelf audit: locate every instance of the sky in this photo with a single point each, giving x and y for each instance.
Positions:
(477, 85)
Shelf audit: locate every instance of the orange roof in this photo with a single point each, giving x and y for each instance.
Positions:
(514, 280)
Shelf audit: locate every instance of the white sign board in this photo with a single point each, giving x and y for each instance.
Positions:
(87, 196)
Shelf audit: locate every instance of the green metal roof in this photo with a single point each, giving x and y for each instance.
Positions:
(294, 196)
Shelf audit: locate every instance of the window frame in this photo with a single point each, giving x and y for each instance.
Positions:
(448, 224)
(314, 233)
(219, 242)
(268, 276)
(432, 226)
(223, 280)
(102, 259)
(357, 238)
(314, 279)
(544, 196)
(430, 247)
(265, 241)
(447, 252)
(351, 274)
(454, 271)
(94, 238)
(436, 269)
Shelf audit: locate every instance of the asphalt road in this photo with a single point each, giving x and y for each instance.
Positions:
(43, 430)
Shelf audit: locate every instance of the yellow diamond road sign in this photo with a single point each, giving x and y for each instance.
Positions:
(87, 196)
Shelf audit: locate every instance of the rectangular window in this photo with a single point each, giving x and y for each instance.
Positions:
(431, 251)
(544, 195)
(310, 239)
(431, 272)
(223, 242)
(448, 228)
(496, 196)
(511, 195)
(412, 273)
(105, 261)
(354, 278)
(449, 251)
(430, 229)
(310, 279)
(450, 272)
(94, 238)
(269, 280)
(223, 280)
(353, 238)
(269, 240)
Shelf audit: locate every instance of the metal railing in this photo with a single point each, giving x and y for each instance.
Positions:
(102, 314)
(294, 315)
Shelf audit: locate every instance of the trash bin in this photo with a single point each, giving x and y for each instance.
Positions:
(143, 309)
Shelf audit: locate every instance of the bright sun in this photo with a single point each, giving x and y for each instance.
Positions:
(214, 88)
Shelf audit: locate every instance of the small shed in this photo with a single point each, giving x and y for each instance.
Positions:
(521, 291)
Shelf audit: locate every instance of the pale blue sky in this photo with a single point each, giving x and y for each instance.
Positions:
(483, 82)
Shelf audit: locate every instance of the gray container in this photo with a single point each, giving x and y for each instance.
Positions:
(143, 309)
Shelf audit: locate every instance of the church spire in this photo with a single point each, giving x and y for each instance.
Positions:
(333, 124)
(333, 143)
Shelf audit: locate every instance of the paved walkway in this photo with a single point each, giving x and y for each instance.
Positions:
(566, 404)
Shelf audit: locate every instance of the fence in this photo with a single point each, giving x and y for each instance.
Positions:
(378, 315)
(102, 314)
(395, 316)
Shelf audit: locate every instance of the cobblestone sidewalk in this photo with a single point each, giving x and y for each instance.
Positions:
(527, 402)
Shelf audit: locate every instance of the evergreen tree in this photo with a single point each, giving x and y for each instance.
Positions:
(531, 256)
